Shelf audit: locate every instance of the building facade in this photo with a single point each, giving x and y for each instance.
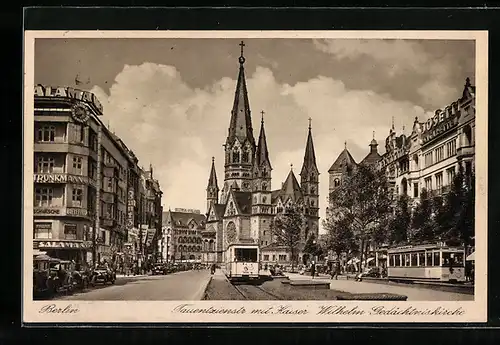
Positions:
(247, 203)
(184, 230)
(81, 178)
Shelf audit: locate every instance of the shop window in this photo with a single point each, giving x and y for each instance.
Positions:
(42, 230)
(43, 196)
(77, 196)
(45, 164)
(70, 231)
(47, 133)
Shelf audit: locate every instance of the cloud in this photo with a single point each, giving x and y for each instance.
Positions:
(178, 128)
(432, 72)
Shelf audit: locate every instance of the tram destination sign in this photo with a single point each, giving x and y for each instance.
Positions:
(71, 93)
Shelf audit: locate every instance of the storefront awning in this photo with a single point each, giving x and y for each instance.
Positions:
(471, 257)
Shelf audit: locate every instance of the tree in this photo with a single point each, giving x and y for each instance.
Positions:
(287, 228)
(399, 222)
(362, 198)
(312, 246)
(460, 206)
(422, 224)
(340, 238)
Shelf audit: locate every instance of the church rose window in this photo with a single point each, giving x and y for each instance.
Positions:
(231, 232)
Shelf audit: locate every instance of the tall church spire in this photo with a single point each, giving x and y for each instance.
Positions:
(241, 122)
(212, 188)
(262, 153)
(309, 164)
(212, 180)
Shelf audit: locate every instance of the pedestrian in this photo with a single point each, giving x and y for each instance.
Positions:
(212, 269)
(313, 269)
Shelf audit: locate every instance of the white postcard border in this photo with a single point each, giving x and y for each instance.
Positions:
(168, 311)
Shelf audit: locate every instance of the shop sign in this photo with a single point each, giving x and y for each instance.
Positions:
(62, 244)
(46, 211)
(69, 92)
(187, 210)
(78, 212)
(60, 178)
(43, 226)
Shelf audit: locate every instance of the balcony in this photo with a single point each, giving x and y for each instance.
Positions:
(466, 151)
(108, 197)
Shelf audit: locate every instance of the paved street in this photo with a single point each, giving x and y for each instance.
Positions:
(188, 285)
(413, 293)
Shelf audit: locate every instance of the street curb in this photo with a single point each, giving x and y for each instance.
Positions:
(204, 297)
(204, 294)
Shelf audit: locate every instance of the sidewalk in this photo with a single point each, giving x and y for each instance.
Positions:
(131, 275)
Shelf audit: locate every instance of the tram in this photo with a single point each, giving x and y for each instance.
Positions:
(430, 262)
(242, 262)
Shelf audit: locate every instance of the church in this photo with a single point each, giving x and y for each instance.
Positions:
(247, 204)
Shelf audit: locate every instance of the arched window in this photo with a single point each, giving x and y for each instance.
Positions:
(264, 186)
(246, 154)
(236, 156)
(336, 182)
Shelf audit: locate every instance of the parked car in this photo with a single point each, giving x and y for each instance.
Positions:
(45, 282)
(374, 272)
(159, 269)
(102, 275)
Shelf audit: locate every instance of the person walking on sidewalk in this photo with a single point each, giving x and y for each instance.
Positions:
(313, 269)
(212, 269)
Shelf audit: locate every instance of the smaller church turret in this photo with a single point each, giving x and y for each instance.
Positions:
(261, 189)
(212, 188)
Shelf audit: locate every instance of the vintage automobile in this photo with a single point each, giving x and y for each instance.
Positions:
(45, 283)
(81, 278)
(102, 275)
(159, 269)
(62, 271)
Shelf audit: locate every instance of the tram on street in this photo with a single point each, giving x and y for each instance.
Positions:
(242, 262)
(430, 262)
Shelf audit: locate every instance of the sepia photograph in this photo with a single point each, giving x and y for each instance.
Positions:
(335, 175)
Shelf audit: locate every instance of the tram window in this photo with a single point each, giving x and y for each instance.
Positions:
(414, 259)
(245, 255)
(436, 259)
(391, 260)
(421, 259)
(429, 258)
(397, 260)
(452, 259)
(407, 260)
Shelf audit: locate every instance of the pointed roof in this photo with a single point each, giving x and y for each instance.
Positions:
(343, 160)
(212, 180)
(291, 188)
(241, 121)
(372, 157)
(309, 155)
(262, 153)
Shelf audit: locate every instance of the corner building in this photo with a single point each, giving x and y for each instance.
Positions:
(81, 174)
(247, 203)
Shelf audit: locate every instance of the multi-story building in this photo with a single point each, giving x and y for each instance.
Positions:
(430, 156)
(66, 176)
(184, 230)
(81, 179)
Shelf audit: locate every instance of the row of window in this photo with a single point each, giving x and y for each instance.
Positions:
(185, 248)
(438, 178)
(46, 164)
(440, 153)
(422, 259)
(189, 240)
(281, 257)
(44, 196)
(44, 231)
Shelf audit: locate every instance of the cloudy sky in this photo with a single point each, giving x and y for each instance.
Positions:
(170, 99)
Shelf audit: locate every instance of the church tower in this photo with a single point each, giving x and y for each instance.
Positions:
(309, 183)
(261, 190)
(240, 143)
(212, 188)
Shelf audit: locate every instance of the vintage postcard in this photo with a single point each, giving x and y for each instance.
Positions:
(234, 177)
